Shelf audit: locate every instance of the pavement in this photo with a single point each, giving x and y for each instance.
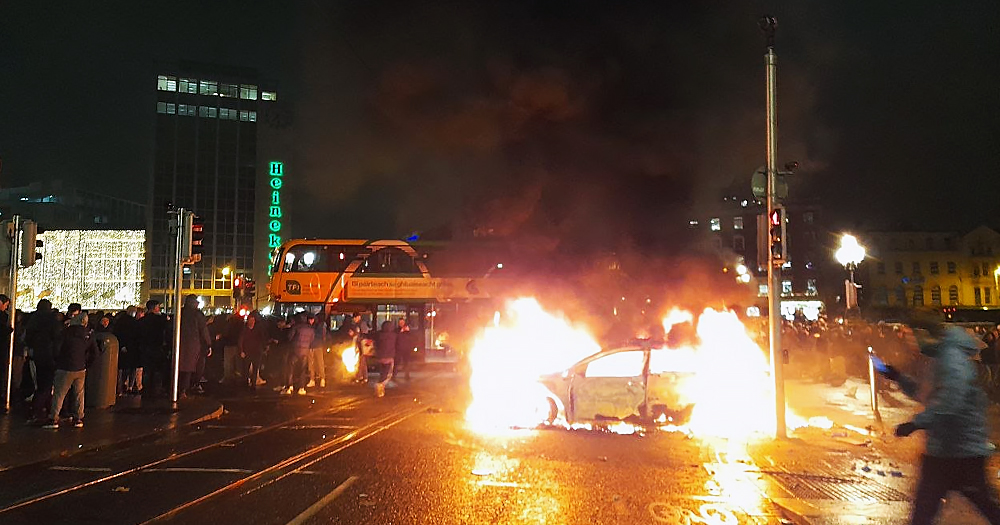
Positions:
(132, 418)
(857, 471)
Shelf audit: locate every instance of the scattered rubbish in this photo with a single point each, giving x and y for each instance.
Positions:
(880, 472)
(79, 445)
(120, 489)
(364, 501)
(603, 458)
(866, 468)
(898, 474)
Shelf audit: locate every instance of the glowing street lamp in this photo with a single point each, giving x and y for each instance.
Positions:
(850, 254)
(226, 271)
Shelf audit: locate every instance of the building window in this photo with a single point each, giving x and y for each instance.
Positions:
(268, 95)
(187, 85)
(171, 108)
(717, 243)
(209, 87)
(229, 90)
(737, 223)
(808, 217)
(953, 294)
(253, 116)
(986, 269)
(900, 296)
(936, 295)
(916, 268)
(248, 92)
(934, 268)
(951, 267)
(739, 243)
(882, 295)
(918, 295)
(186, 110)
(987, 295)
(898, 267)
(880, 268)
(811, 287)
(978, 295)
(715, 224)
(245, 116)
(165, 83)
(205, 111)
(161, 107)
(786, 287)
(761, 290)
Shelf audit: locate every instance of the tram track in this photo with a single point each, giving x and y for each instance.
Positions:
(353, 402)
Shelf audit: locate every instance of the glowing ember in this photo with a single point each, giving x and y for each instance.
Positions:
(510, 357)
(350, 357)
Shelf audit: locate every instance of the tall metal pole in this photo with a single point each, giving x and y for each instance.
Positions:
(178, 282)
(15, 260)
(769, 25)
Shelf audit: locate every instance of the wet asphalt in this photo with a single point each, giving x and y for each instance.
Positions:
(344, 456)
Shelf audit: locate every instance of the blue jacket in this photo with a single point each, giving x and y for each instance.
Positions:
(954, 415)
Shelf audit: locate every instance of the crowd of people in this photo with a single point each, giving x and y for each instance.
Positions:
(54, 349)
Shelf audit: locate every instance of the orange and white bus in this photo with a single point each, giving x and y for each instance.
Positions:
(384, 279)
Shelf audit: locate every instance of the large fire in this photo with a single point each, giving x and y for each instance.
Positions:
(725, 374)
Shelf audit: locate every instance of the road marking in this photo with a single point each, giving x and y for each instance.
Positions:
(511, 484)
(324, 501)
(80, 469)
(313, 427)
(197, 469)
(235, 427)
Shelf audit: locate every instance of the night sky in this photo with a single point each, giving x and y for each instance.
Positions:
(604, 121)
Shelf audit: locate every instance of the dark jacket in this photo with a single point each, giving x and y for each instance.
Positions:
(302, 335)
(253, 342)
(78, 349)
(194, 338)
(42, 336)
(152, 329)
(385, 344)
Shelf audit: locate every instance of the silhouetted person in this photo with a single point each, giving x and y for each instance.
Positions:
(42, 337)
(954, 418)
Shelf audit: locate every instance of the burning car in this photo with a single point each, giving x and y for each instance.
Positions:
(634, 384)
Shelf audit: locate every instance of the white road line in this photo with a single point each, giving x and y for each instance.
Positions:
(81, 469)
(197, 469)
(324, 501)
(312, 427)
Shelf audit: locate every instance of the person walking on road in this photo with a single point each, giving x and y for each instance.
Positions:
(252, 342)
(954, 419)
(153, 356)
(76, 352)
(42, 338)
(404, 347)
(317, 354)
(301, 336)
(195, 341)
(385, 353)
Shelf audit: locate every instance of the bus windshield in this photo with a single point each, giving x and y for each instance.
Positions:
(318, 258)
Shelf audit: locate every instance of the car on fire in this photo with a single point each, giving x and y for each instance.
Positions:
(635, 384)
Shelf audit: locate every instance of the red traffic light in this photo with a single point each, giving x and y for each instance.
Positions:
(775, 217)
(236, 282)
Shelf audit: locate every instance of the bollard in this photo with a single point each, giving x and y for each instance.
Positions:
(873, 384)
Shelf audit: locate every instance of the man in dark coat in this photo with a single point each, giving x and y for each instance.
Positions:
(152, 329)
(195, 340)
(76, 352)
(252, 342)
(42, 336)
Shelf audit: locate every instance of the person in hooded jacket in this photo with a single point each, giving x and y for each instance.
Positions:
(385, 354)
(252, 341)
(301, 336)
(76, 352)
(42, 337)
(195, 341)
(954, 419)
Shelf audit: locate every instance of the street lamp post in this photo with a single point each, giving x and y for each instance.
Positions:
(850, 254)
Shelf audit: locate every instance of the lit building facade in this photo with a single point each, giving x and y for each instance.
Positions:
(932, 269)
(100, 269)
(206, 160)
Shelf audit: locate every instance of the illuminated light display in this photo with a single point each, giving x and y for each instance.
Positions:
(100, 269)
(277, 174)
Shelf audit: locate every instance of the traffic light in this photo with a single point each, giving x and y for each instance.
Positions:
(197, 237)
(777, 222)
(29, 244)
(249, 290)
(238, 283)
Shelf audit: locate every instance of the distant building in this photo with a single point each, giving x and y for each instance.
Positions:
(206, 160)
(100, 269)
(60, 206)
(932, 269)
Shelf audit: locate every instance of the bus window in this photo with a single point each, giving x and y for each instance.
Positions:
(319, 258)
(390, 260)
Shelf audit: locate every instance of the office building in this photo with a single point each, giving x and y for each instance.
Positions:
(206, 161)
